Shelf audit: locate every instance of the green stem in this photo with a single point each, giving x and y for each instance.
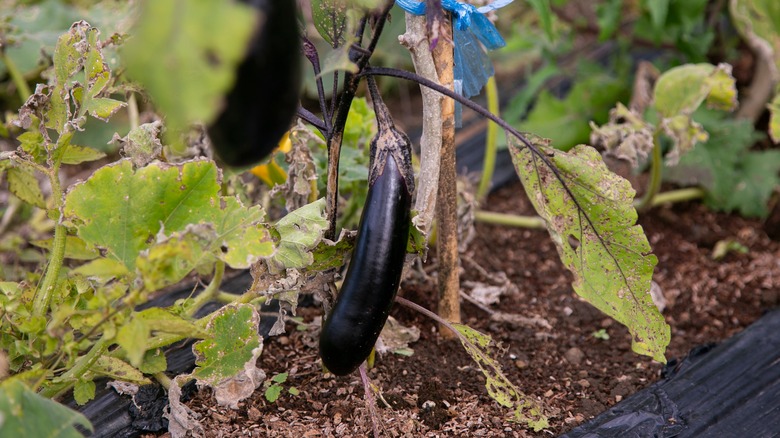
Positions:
(16, 76)
(654, 185)
(210, 293)
(132, 111)
(164, 380)
(489, 162)
(511, 220)
(82, 365)
(44, 294)
(680, 195)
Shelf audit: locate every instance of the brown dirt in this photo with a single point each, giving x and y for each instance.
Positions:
(551, 355)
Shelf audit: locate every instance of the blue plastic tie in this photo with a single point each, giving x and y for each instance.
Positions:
(471, 31)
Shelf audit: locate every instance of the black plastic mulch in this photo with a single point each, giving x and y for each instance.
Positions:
(723, 391)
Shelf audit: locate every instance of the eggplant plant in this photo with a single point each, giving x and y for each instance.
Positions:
(226, 74)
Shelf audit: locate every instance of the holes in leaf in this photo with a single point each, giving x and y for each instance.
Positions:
(574, 243)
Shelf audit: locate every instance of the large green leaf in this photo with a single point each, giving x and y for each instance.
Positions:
(24, 413)
(184, 53)
(590, 216)
(123, 209)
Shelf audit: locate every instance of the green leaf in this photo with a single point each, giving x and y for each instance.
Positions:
(338, 60)
(133, 337)
(243, 234)
(102, 268)
(118, 369)
(590, 216)
(24, 413)
(566, 121)
(658, 11)
(329, 255)
(161, 320)
(154, 362)
(481, 347)
(280, 378)
(172, 257)
(735, 177)
(83, 391)
(299, 232)
(24, 185)
(330, 20)
(234, 330)
(185, 55)
(681, 90)
(272, 393)
(73, 154)
(123, 210)
(543, 9)
(75, 248)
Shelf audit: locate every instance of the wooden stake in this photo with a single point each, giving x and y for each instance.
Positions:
(447, 199)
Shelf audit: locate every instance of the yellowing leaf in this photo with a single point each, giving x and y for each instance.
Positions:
(681, 90)
(233, 343)
(23, 184)
(590, 216)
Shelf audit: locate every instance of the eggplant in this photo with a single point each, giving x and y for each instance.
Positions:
(361, 309)
(264, 99)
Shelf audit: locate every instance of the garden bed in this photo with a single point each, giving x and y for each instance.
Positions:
(555, 349)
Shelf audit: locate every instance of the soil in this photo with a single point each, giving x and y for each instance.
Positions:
(553, 348)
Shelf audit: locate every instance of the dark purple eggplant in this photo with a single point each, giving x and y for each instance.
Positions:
(263, 102)
(374, 274)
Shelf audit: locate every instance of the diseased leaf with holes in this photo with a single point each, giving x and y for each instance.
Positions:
(481, 348)
(96, 77)
(185, 55)
(122, 209)
(299, 232)
(329, 255)
(118, 369)
(590, 216)
(24, 413)
(234, 339)
(172, 257)
(125, 210)
(242, 234)
(142, 144)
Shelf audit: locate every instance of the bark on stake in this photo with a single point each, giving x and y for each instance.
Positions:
(446, 204)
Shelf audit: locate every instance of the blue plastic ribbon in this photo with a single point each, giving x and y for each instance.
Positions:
(471, 31)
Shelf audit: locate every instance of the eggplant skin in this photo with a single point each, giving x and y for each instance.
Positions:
(374, 274)
(264, 99)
